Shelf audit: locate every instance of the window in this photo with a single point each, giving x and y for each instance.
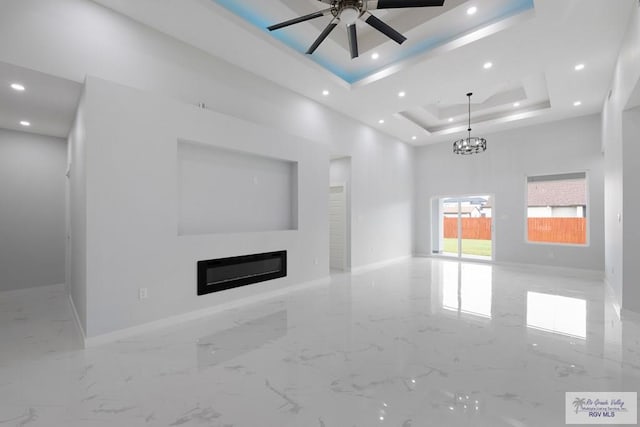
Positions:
(557, 208)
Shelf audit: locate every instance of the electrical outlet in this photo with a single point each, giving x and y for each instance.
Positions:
(315, 261)
(143, 293)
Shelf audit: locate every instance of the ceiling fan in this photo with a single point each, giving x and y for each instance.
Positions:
(349, 11)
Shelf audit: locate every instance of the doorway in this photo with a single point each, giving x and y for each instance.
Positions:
(337, 227)
(339, 210)
(462, 226)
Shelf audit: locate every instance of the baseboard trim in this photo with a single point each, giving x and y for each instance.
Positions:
(594, 274)
(626, 314)
(586, 272)
(611, 294)
(18, 291)
(76, 318)
(121, 334)
(376, 265)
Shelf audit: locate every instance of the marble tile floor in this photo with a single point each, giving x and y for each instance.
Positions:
(423, 342)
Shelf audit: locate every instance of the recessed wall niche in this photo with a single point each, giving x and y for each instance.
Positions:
(227, 191)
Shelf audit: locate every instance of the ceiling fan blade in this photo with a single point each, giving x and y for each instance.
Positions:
(353, 40)
(321, 37)
(396, 4)
(299, 19)
(385, 29)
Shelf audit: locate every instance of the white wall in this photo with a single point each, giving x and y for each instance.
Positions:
(132, 199)
(32, 213)
(381, 199)
(631, 209)
(76, 251)
(625, 78)
(551, 148)
(75, 38)
(222, 191)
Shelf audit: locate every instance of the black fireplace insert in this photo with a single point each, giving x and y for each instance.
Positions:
(227, 273)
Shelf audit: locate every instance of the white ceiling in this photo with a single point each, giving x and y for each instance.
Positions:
(533, 51)
(48, 103)
(533, 54)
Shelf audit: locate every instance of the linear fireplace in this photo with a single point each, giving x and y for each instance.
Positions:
(226, 273)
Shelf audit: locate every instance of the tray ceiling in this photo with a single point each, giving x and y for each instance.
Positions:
(426, 29)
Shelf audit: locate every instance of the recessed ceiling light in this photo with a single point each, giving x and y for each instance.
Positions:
(414, 138)
(577, 103)
(402, 94)
(325, 92)
(17, 86)
(472, 10)
(516, 104)
(450, 119)
(381, 121)
(579, 67)
(375, 55)
(487, 65)
(25, 123)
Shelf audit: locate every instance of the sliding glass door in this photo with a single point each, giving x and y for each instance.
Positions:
(462, 227)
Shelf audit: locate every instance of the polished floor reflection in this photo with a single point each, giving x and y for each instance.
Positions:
(557, 314)
(425, 342)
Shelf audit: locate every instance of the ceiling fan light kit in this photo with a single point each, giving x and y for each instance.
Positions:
(348, 12)
(470, 144)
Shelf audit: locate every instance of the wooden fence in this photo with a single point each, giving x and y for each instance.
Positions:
(558, 230)
(472, 228)
(553, 230)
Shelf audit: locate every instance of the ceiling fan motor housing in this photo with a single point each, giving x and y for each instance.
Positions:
(348, 11)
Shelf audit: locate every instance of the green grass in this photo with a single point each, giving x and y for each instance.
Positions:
(469, 247)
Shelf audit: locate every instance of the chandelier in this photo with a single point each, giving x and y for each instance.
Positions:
(470, 144)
